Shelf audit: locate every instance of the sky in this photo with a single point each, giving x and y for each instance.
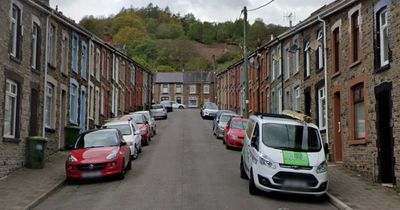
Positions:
(205, 10)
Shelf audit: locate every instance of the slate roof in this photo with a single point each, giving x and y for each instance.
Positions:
(170, 77)
(197, 77)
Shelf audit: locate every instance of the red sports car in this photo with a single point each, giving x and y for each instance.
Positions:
(234, 132)
(98, 153)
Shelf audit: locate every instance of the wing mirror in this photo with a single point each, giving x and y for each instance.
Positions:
(137, 132)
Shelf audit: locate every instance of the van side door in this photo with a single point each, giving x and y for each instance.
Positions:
(255, 144)
(247, 144)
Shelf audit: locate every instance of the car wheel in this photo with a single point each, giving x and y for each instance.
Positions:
(253, 190)
(135, 153)
(243, 174)
(181, 107)
(123, 172)
(140, 149)
(129, 166)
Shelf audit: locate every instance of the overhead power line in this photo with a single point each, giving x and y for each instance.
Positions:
(250, 10)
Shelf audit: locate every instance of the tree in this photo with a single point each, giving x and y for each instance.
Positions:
(164, 68)
(127, 35)
(198, 63)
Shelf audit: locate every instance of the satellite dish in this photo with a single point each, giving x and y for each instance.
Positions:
(314, 45)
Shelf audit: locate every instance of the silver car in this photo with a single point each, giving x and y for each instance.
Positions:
(158, 111)
(151, 120)
(222, 122)
(131, 134)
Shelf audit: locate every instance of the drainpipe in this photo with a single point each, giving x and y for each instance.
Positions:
(45, 76)
(326, 78)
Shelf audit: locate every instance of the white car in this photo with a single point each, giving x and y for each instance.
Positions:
(176, 105)
(151, 120)
(158, 111)
(130, 133)
(284, 153)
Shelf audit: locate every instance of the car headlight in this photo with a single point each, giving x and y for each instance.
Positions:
(266, 161)
(72, 159)
(233, 137)
(322, 168)
(113, 155)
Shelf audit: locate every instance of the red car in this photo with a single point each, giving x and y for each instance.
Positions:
(98, 153)
(234, 132)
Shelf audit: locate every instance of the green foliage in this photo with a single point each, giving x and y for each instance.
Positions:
(161, 40)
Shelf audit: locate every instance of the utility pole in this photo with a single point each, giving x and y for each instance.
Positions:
(245, 66)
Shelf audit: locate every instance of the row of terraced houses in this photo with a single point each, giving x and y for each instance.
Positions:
(57, 77)
(339, 66)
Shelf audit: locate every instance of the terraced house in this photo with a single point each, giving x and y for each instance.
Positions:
(339, 67)
(58, 79)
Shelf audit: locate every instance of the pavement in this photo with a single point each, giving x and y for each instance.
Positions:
(25, 188)
(184, 167)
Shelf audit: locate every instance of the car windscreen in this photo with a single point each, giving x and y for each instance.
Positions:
(211, 106)
(106, 138)
(291, 137)
(138, 119)
(239, 124)
(156, 107)
(124, 128)
(225, 118)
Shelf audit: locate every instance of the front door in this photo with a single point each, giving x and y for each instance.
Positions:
(385, 135)
(34, 106)
(307, 103)
(62, 119)
(337, 144)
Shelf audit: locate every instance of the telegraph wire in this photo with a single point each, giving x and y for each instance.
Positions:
(250, 10)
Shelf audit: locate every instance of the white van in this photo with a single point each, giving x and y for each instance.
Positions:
(284, 153)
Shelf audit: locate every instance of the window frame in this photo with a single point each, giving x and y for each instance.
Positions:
(287, 63)
(355, 33)
(52, 45)
(74, 105)
(273, 60)
(178, 88)
(64, 53)
(360, 80)
(193, 89)
(14, 95)
(98, 64)
(297, 98)
(383, 27)
(322, 112)
(75, 53)
(84, 59)
(16, 30)
(307, 59)
(336, 50)
(49, 110)
(206, 87)
(320, 50)
(35, 45)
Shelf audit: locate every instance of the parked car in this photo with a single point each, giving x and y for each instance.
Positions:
(151, 120)
(143, 124)
(209, 110)
(219, 130)
(234, 132)
(98, 153)
(218, 115)
(158, 111)
(131, 134)
(284, 153)
(176, 105)
(167, 105)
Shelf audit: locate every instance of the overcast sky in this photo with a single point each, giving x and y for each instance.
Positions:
(205, 10)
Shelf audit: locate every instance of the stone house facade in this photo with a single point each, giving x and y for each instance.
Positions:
(352, 44)
(56, 78)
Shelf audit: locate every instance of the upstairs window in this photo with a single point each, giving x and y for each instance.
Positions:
(192, 89)
(75, 52)
(206, 89)
(287, 63)
(84, 59)
(165, 88)
(336, 49)
(64, 54)
(16, 32)
(98, 64)
(35, 46)
(52, 45)
(178, 88)
(307, 57)
(296, 59)
(320, 51)
(383, 40)
(273, 60)
(355, 36)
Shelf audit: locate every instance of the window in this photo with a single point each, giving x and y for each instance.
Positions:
(336, 49)
(279, 60)
(102, 101)
(16, 31)
(97, 106)
(355, 36)
(103, 64)
(64, 54)
(280, 95)
(98, 64)
(84, 59)
(179, 99)
(192, 102)
(75, 52)
(192, 89)
(320, 52)
(48, 111)
(273, 102)
(35, 45)
(91, 60)
(206, 89)
(296, 60)
(52, 45)
(133, 75)
(108, 67)
(287, 63)
(82, 117)
(73, 101)
(359, 111)
(296, 105)
(165, 98)
(383, 31)
(322, 108)
(288, 100)
(10, 109)
(307, 57)
(273, 60)
(178, 88)
(91, 97)
(165, 88)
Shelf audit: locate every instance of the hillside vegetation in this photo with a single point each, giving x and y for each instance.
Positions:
(163, 41)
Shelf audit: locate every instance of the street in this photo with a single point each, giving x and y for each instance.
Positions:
(184, 167)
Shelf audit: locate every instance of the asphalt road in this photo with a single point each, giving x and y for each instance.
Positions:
(184, 167)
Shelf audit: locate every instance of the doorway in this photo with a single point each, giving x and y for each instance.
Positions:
(63, 119)
(34, 106)
(384, 126)
(307, 102)
(338, 143)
